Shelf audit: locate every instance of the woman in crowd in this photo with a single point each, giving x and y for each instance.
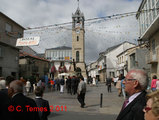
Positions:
(118, 85)
(153, 83)
(152, 108)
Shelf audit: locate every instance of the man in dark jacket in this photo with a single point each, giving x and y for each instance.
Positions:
(22, 107)
(4, 104)
(41, 103)
(135, 85)
(108, 83)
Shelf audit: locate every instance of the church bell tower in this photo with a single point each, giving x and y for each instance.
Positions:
(78, 41)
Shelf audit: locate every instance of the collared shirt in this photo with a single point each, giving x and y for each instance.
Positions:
(16, 94)
(131, 98)
(38, 97)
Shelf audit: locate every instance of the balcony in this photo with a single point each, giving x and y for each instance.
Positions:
(151, 58)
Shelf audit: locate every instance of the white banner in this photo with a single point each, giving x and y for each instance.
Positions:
(28, 41)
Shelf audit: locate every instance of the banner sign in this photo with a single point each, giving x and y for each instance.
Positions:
(28, 41)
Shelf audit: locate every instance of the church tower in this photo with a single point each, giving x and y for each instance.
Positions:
(78, 41)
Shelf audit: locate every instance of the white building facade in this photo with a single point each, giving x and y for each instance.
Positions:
(61, 59)
(111, 57)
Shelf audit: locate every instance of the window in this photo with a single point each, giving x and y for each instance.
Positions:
(149, 3)
(77, 38)
(77, 56)
(153, 2)
(132, 60)
(8, 27)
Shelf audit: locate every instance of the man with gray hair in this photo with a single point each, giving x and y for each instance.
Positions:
(22, 107)
(2, 84)
(81, 92)
(136, 82)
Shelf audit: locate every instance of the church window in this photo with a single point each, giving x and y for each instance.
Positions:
(77, 56)
(77, 38)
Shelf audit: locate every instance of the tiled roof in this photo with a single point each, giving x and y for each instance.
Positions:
(61, 48)
(24, 54)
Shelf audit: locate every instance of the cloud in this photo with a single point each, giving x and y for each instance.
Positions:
(99, 35)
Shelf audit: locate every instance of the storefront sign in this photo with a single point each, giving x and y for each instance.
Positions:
(28, 41)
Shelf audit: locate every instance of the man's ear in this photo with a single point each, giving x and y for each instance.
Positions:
(10, 92)
(136, 83)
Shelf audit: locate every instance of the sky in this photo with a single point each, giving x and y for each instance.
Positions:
(99, 35)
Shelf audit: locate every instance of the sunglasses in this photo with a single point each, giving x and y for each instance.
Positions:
(146, 109)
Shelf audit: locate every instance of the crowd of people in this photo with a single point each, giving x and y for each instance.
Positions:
(16, 105)
(139, 104)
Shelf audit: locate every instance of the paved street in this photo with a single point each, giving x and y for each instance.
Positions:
(111, 104)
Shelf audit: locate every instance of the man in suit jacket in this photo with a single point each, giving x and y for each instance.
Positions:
(135, 84)
(41, 103)
(24, 108)
(4, 104)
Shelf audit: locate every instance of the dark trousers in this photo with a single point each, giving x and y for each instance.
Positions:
(73, 91)
(69, 89)
(58, 87)
(81, 98)
(109, 88)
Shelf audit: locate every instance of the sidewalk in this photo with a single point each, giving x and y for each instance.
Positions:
(111, 102)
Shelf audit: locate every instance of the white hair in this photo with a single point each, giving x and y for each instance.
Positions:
(141, 76)
(17, 86)
(2, 84)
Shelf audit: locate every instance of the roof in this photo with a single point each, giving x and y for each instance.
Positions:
(115, 46)
(126, 51)
(61, 48)
(11, 20)
(24, 54)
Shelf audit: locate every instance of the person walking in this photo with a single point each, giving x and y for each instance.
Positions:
(73, 85)
(108, 83)
(42, 103)
(135, 85)
(118, 86)
(153, 83)
(157, 85)
(81, 92)
(58, 84)
(123, 87)
(96, 82)
(115, 80)
(62, 82)
(28, 86)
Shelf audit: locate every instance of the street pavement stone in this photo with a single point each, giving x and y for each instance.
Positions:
(110, 108)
